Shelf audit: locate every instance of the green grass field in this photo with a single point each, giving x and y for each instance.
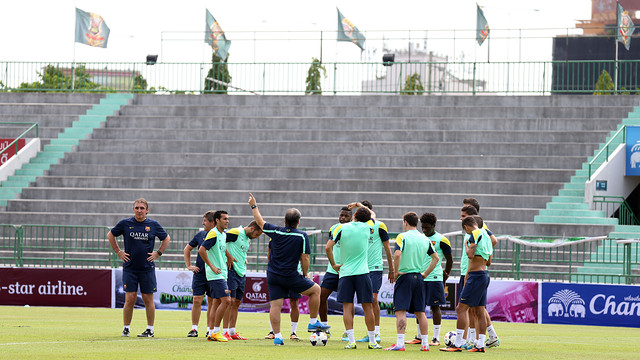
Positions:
(72, 333)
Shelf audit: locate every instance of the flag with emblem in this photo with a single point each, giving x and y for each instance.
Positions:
(215, 37)
(91, 29)
(624, 27)
(349, 32)
(482, 27)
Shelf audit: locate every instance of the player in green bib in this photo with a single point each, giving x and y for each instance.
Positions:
(213, 252)
(238, 242)
(412, 248)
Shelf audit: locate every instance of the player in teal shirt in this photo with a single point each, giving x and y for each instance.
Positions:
(354, 272)
(213, 252)
(412, 248)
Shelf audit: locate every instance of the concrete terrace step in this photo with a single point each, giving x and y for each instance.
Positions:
(270, 158)
(460, 186)
(50, 98)
(282, 144)
(569, 219)
(62, 109)
(296, 172)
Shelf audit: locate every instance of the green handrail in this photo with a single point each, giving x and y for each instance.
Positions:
(606, 150)
(626, 215)
(15, 141)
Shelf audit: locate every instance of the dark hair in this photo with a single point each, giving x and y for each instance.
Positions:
(473, 202)
(428, 218)
(479, 221)
(362, 214)
(292, 218)
(469, 221)
(218, 215)
(469, 210)
(367, 203)
(411, 218)
(209, 215)
(344, 208)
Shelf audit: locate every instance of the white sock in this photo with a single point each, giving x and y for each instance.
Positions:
(459, 338)
(150, 327)
(232, 331)
(313, 320)
(208, 331)
(372, 336)
(294, 327)
(279, 336)
(471, 336)
(270, 328)
(492, 332)
(377, 330)
(194, 327)
(436, 331)
(400, 341)
(325, 323)
(481, 339)
(128, 327)
(419, 333)
(225, 331)
(352, 336)
(216, 330)
(425, 340)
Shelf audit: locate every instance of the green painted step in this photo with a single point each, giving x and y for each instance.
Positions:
(567, 206)
(36, 166)
(575, 213)
(624, 235)
(574, 186)
(59, 148)
(36, 172)
(574, 220)
(16, 183)
(628, 228)
(568, 199)
(566, 192)
(64, 141)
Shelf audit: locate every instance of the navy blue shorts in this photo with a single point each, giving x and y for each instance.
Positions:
(330, 281)
(280, 286)
(434, 293)
(199, 284)
(355, 285)
(146, 279)
(218, 288)
(408, 293)
(475, 290)
(376, 280)
(294, 295)
(460, 286)
(236, 283)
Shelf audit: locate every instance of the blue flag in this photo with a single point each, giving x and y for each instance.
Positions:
(91, 29)
(482, 27)
(349, 32)
(215, 37)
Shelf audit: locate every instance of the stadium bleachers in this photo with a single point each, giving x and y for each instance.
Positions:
(187, 154)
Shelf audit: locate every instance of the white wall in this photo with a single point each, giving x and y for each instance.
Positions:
(30, 150)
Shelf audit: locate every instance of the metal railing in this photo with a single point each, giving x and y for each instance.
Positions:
(22, 135)
(583, 260)
(620, 137)
(617, 207)
(437, 77)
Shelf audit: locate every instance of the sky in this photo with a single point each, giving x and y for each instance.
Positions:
(43, 31)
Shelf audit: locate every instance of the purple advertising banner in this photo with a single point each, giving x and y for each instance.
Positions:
(55, 287)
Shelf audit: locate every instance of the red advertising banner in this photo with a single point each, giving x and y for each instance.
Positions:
(12, 149)
(55, 287)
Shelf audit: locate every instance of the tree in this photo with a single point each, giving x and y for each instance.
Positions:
(413, 85)
(219, 71)
(314, 86)
(52, 78)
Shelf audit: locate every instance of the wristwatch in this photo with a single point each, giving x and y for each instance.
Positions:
(159, 252)
(254, 206)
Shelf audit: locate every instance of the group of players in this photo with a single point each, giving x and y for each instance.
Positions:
(354, 251)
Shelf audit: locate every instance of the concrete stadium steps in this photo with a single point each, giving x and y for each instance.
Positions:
(301, 172)
(626, 232)
(49, 98)
(218, 122)
(321, 159)
(277, 183)
(525, 138)
(288, 146)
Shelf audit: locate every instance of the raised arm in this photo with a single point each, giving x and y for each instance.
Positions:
(256, 213)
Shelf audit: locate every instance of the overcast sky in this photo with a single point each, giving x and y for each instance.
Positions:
(39, 30)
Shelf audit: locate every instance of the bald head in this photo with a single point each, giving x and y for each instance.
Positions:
(292, 218)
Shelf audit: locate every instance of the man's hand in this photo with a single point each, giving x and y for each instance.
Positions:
(153, 256)
(230, 261)
(392, 276)
(193, 269)
(337, 267)
(216, 270)
(123, 256)
(252, 200)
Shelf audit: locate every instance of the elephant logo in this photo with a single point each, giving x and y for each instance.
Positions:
(634, 159)
(566, 303)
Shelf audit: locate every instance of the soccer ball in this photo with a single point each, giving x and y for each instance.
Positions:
(318, 338)
(450, 338)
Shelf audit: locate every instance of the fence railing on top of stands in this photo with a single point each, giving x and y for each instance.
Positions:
(336, 78)
(597, 260)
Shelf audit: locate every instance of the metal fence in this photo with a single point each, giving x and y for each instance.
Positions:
(594, 260)
(343, 78)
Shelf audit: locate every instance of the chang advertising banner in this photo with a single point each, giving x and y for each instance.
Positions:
(55, 287)
(633, 151)
(590, 304)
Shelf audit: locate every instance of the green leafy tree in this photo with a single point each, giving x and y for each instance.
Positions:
(140, 84)
(314, 76)
(413, 85)
(605, 85)
(219, 71)
(52, 78)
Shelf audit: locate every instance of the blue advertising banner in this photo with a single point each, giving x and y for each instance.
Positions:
(590, 304)
(633, 151)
